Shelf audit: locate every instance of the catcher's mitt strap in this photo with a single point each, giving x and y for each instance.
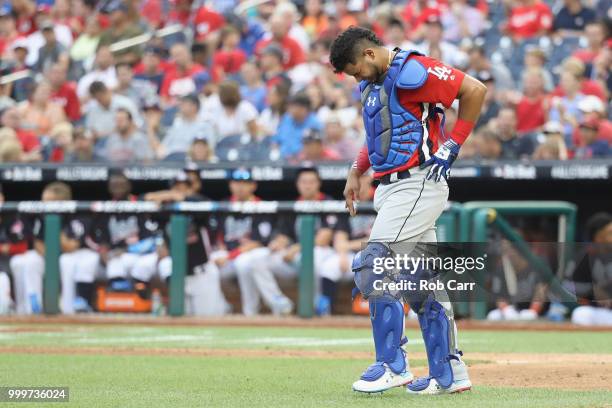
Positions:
(412, 76)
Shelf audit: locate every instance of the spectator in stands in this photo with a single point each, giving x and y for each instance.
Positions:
(593, 109)
(40, 112)
(478, 61)
(11, 118)
(595, 33)
(600, 70)
(121, 28)
(8, 32)
(101, 112)
(535, 58)
(590, 276)
(436, 47)
(552, 143)
(490, 107)
(141, 92)
(513, 146)
(315, 19)
(200, 151)
(293, 124)
(531, 109)
(571, 20)
(83, 150)
(228, 59)
(271, 64)
(20, 89)
(586, 86)
(229, 114)
(127, 143)
(86, 43)
(63, 92)
(24, 11)
(314, 150)
(293, 54)
(59, 143)
(416, 13)
(277, 101)
(460, 20)
(528, 19)
(340, 140)
(252, 88)
(187, 125)
(565, 109)
(57, 34)
(104, 72)
(396, 36)
(591, 146)
(180, 77)
(152, 67)
(51, 52)
(287, 11)
(11, 151)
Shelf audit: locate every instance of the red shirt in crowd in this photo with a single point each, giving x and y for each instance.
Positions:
(229, 61)
(179, 83)
(28, 140)
(442, 86)
(293, 53)
(530, 114)
(526, 21)
(414, 17)
(66, 97)
(588, 87)
(207, 21)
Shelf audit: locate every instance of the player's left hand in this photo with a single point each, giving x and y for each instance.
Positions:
(442, 161)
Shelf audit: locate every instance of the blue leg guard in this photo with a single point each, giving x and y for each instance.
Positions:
(387, 317)
(438, 336)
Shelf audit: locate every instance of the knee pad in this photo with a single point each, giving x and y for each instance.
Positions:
(436, 328)
(363, 266)
(387, 317)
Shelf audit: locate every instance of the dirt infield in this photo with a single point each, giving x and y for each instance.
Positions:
(556, 371)
(358, 322)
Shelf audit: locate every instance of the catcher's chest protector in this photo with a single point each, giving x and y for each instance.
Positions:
(392, 133)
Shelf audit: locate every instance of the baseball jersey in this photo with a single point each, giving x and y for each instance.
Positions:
(290, 226)
(234, 229)
(198, 237)
(118, 231)
(441, 87)
(79, 228)
(15, 232)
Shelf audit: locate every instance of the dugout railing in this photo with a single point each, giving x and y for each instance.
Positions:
(468, 222)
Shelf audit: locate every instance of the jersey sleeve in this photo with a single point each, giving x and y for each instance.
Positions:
(442, 84)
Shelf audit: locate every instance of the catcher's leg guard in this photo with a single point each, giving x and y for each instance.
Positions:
(387, 316)
(447, 373)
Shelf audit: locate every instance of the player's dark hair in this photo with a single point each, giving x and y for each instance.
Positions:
(308, 169)
(97, 87)
(596, 223)
(345, 47)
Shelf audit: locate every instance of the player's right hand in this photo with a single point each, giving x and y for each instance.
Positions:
(351, 190)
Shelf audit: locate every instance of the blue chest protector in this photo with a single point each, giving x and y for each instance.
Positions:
(392, 133)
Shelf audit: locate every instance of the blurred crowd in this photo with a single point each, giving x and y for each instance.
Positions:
(228, 80)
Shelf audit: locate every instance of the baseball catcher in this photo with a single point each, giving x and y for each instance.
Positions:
(411, 157)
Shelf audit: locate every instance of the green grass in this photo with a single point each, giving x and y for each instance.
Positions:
(299, 339)
(195, 381)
